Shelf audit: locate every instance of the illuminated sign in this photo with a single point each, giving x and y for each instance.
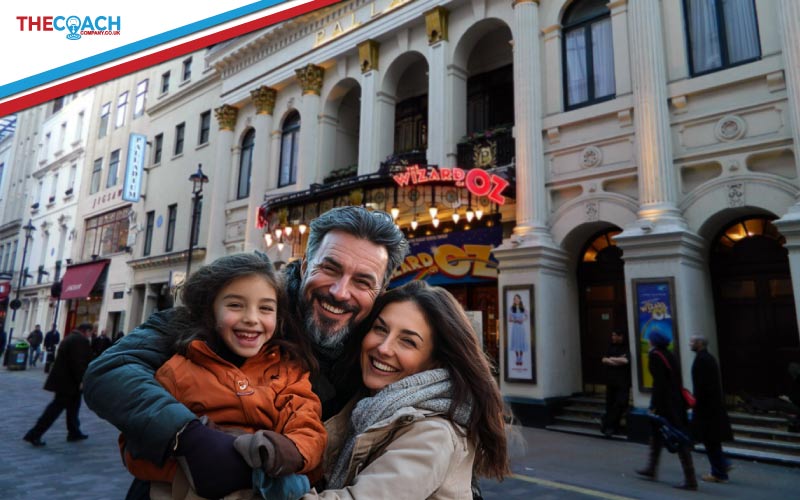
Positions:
(478, 182)
(458, 257)
(132, 187)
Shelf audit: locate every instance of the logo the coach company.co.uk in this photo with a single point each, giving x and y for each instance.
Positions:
(75, 25)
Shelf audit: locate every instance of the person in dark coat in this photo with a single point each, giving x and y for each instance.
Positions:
(65, 380)
(100, 343)
(710, 423)
(667, 401)
(35, 341)
(618, 382)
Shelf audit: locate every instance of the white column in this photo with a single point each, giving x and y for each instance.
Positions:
(307, 166)
(368, 131)
(457, 96)
(258, 180)
(226, 116)
(386, 104)
(326, 147)
(554, 94)
(619, 30)
(657, 179)
(531, 199)
(438, 108)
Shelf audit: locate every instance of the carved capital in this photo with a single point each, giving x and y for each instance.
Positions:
(368, 52)
(264, 99)
(436, 24)
(226, 117)
(517, 2)
(310, 79)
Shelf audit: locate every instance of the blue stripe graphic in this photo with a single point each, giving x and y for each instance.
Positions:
(132, 48)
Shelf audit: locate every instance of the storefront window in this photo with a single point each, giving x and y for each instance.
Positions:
(106, 234)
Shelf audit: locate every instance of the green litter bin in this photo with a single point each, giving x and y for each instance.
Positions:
(18, 357)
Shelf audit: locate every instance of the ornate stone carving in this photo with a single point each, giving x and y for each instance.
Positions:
(368, 53)
(736, 194)
(591, 157)
(226, 117)
(436, 24)
(310, 79)
(264, 99)
(592, 211)
(730, 128)
(484, 154)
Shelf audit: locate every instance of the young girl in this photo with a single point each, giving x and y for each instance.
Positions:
(240, 367)
(431, 413)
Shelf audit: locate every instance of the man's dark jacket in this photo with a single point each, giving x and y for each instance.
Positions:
(74, 355)
(710, 421)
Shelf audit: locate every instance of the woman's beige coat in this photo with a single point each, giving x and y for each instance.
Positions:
(414, 454)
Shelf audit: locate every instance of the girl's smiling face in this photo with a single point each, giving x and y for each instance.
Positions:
(246, 312)
(399, 344)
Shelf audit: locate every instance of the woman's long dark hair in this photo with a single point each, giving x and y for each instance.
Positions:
(455, 347)
(515, 308)
(194, 319)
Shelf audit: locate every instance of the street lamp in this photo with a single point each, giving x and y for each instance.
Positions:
(15, 304)
(198, 179)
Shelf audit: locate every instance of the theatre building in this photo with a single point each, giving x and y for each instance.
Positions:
(634, 164)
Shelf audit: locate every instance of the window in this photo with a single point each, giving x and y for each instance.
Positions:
(411, 124)
(45, 147)
(179, 130)
(490, 99)
(246, 165)
(53, 188)
(79, 126)
(105, 114)
(172, 215)
(141, 97)
(39, 192)
(187, 69)
(148, 232)
(2, 168)
(165, 83)
(158, 146)
(58, 103)
(588, 54)
(205, 127)
(106, 234)
(122, 109)
(73, 171)
(196, 231)
(290, 148)
(97, 171)
(113, 167)
(62, 138)
(722, 33)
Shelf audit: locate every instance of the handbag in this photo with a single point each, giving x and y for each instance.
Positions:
(672, 438)
(687, 395)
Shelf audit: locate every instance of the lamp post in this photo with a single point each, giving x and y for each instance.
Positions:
(198, 179)
(15, 304)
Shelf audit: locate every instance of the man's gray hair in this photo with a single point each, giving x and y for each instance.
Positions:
(701, 339)
(375, 226)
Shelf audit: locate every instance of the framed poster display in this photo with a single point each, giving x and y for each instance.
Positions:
(520, 338)
(655, 309)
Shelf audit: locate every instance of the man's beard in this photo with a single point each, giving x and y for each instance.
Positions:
(321, 329)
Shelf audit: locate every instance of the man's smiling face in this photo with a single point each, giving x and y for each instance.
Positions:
(340, 285)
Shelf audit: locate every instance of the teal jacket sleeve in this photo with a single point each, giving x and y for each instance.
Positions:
(120, 387)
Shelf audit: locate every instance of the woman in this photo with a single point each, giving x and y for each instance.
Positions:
(430, 412)
(517, 316)
(667, 402)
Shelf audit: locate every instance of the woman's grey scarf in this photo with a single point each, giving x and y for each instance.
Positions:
(429, 390)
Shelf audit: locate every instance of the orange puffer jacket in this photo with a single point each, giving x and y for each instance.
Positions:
(268, 391)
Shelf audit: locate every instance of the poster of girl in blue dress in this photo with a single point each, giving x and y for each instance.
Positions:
(655, 309)
(519, 337)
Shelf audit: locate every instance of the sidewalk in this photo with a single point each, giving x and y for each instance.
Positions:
(553, 465)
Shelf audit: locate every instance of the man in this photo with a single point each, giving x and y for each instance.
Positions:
(64, 380)
(710, 423)
(100, 343)
(349, 260)
(618, 383)
(51, 340)
(35, 341)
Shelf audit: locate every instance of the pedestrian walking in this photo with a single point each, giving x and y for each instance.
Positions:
(710, 423)
(35, 342)
(51, 341)
(618, 383)
(100, 343)
(65, 380)
(667, 402)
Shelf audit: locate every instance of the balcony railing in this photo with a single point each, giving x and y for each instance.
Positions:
(492, 148)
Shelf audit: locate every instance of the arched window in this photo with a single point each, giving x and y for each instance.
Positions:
(722, 33)
(290, 149)
(588, 54)
(245, 165)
